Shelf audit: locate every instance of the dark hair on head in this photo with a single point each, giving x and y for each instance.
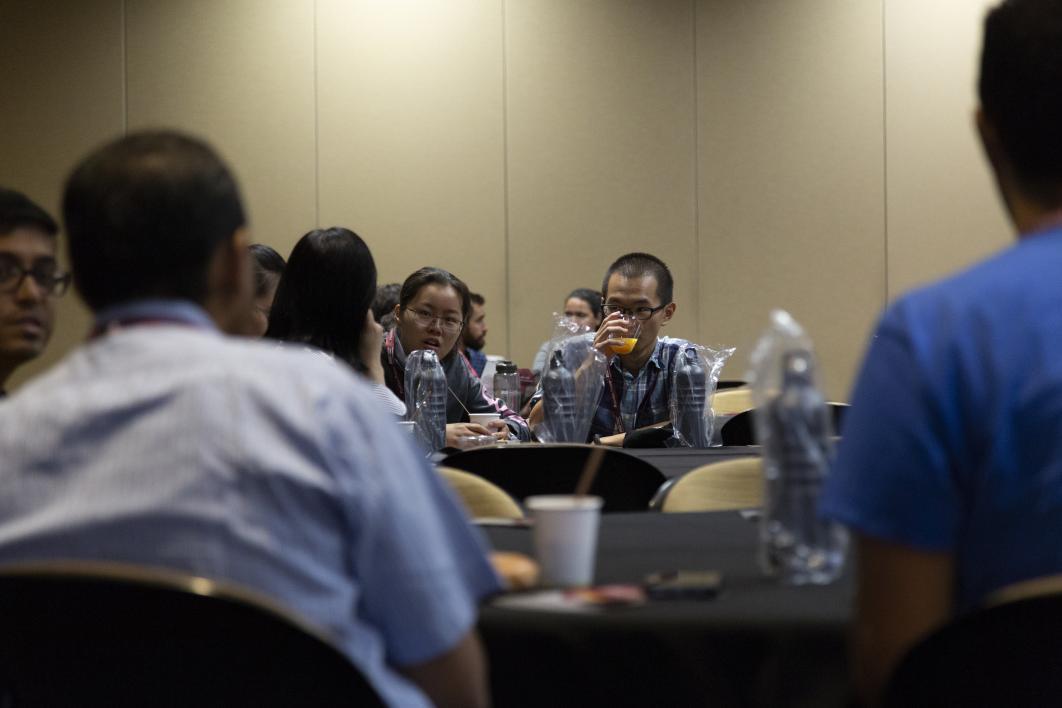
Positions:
(590, 297)
(427, 276)
(18, 211)
(477, 299)
(637, 265)
(268, 266)
(1021, 91)
(325, 293)
(386, 299)
(145, 215)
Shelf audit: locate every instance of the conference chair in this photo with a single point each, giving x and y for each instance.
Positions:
(481, 498)
(741, 429)
(95, 634)
(625, 482)
(1004, 655)
(732, 400)
(720, 486)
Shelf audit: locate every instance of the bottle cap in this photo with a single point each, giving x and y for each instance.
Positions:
(506, 367)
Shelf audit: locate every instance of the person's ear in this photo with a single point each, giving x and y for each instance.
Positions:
(669, 312)
(397, 310)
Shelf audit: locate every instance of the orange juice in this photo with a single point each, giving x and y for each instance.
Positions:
(627, 347)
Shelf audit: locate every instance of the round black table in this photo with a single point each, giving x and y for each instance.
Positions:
(758, 643)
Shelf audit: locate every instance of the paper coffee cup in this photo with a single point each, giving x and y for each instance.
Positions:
(482, 418)
(565, 537)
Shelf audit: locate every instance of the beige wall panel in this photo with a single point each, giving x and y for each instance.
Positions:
(412, 138)
(241, 74)
(61, 89)
(791, 174)
(943, 212)
(601, 151)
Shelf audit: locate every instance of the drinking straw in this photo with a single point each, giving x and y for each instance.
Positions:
(593, 463)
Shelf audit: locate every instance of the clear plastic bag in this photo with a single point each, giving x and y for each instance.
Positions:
(693, 379)
(794, 427)
(571, 384)
(426, 398)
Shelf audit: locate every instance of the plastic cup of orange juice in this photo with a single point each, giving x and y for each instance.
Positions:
(634, 328)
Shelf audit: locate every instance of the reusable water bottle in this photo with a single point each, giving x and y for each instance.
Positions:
(426, 397)
(795, 544)
(558, 400)
(507, 384)
(690, 391)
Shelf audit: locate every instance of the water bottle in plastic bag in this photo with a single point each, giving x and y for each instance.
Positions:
(690, 390)
(558, 400)
(426, 397)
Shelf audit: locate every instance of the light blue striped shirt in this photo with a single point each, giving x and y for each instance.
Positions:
(165, 443)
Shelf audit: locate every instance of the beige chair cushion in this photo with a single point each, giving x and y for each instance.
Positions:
(734, 484)
(481, 498)
(732, 400)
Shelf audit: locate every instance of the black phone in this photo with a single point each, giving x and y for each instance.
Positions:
(684, 584)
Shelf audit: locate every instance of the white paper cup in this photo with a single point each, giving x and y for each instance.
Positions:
(565, 537)
(482, 418)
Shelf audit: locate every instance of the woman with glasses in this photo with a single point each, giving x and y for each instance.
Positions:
(433, 307)
(323, 300)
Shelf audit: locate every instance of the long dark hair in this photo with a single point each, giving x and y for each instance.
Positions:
(325, 292)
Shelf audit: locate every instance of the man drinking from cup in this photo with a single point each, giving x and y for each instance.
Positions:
(637, 292)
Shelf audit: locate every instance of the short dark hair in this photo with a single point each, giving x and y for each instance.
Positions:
(477, 299)
(636, 265)
(386, 299)
(427, 276)
(590, 296)
(18, 211)
(325, 293)
(145, 215)
(1020, 89)
(268, 265)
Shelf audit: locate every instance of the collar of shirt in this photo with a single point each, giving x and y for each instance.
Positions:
(654, 359)
(178, 311)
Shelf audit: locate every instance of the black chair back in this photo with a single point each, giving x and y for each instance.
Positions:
(741, 429)
(95, 635)
(625, 482)
(1007, 655)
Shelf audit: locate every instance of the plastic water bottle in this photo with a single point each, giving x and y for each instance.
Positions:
(795, 544)
(426, 397)
(558, 400)
(507, 384)
(690, 392)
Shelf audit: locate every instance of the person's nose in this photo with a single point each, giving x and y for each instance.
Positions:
(29, 290)
(435, 325)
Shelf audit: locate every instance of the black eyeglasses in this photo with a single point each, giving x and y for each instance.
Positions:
(49, 279)
(446, 324)
(638, 313)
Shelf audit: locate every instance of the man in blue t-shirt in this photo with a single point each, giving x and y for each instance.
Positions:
(950, 473)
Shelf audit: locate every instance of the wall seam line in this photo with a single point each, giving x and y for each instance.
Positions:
(696, 174)
(505, 181)
(885, 149)
(316, 128)
(125, 69)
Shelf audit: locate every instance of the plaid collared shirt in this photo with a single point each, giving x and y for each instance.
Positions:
(641, 399)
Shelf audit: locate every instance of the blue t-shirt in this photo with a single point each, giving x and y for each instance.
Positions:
(954, 439)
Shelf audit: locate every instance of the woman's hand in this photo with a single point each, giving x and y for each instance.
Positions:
(454, 431)
(369, 348)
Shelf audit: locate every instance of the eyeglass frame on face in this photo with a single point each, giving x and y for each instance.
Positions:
(426, 319)
(636, 313)
(54, 284)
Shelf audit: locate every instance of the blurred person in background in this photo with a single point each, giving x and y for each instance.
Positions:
(268, 267)
(383, 305)
(474, 335)
(30, 281)
(583, 307)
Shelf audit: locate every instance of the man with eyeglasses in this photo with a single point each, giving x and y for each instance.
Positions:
(30, 280)
(637, 292)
